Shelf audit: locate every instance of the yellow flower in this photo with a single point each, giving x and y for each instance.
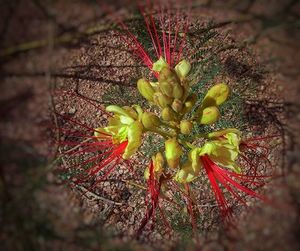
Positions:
(150, 120)
(190, 169)
(123, 126)
(223, 151)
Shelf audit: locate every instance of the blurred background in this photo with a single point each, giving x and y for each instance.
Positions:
(41, 39)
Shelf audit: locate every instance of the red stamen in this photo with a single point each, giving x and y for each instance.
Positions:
(117, 151)
(161, 19)
(169, 42)
(155, 32)
(190, 209)
(130, 39)
(186, 28)
(154, 191)
(217, 175)
(149, 30)
(175, 39)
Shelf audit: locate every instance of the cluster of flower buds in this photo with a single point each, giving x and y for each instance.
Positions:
(172, 95)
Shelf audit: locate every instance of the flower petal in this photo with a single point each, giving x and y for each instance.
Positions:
(134, 136)
(186, 174)
(118, 110)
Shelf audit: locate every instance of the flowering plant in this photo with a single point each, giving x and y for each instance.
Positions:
(175, 110)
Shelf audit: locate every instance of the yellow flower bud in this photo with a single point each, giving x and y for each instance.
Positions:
(166, 88)
(150, 120)
(165, 74)
(146, 89)
(216, 95)
(173, 152)
(178, 91)
(189, 103)
(155, 98)
(162, 100)
(168, 114)
(159, 64)
(177, 105)
(154, 85)
(186, 127)
(209, 115)
(183, 68)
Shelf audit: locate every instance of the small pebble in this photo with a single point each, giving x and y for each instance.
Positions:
(72, 110)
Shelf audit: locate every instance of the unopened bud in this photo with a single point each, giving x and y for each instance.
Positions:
(166, 88)
(173, 152)
(162, 100)
(210, 115)
(183, 68)
(165, 74)
(150, 120)
(189, 103)
(159, 64)
(178, 91)
(145, 89)
(186, 127)
(216, 95)
(168, 114)
(177, 105)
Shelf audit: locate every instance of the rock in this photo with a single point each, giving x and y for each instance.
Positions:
(72, 110)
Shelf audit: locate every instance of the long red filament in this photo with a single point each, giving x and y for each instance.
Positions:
(217, 174)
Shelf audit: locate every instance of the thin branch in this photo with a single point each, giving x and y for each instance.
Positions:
(96, 196)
